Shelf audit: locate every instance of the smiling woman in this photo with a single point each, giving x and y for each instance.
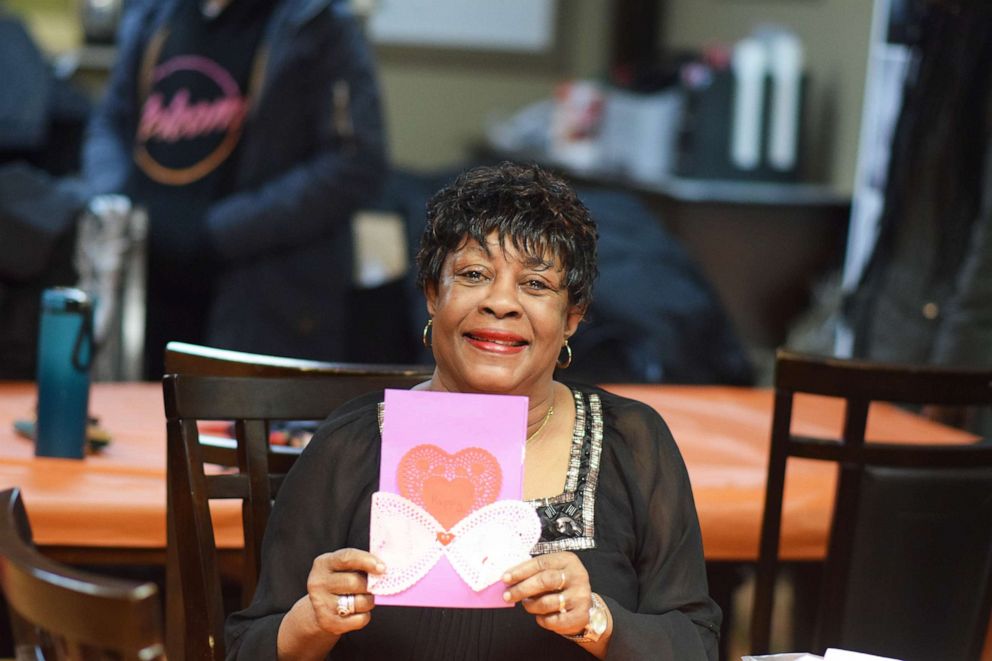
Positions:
(507, 262)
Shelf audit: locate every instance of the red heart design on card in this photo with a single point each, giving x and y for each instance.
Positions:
(449, 501)
(449, 486)
(445, 538)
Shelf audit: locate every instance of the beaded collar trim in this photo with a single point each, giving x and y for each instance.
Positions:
(568, 519)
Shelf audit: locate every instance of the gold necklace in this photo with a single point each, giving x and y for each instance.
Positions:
(547, 416)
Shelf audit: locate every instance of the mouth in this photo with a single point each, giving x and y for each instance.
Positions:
(496, 341)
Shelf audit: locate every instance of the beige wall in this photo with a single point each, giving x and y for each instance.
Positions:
(835, 34)
(436, 108)
(53, 23)
(436, 111)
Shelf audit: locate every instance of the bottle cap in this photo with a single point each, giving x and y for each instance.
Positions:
(65, 299)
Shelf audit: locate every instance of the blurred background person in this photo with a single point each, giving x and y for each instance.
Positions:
(925, 295)
(250, 130)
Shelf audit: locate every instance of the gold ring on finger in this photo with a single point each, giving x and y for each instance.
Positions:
(561, 603)
(561, 581)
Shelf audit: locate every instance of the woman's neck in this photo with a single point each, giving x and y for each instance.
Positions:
(539, 413)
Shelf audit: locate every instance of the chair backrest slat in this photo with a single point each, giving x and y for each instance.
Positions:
(194, 359)
(873, 477)
(252, 392)
(909, 384)
(81, 613)
(227, 487)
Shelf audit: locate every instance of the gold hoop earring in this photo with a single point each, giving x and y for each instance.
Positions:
(568, 360)
(427, 332)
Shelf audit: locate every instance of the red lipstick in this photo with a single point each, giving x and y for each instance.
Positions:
(496, 341)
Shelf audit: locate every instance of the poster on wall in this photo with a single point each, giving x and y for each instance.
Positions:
(524, 26)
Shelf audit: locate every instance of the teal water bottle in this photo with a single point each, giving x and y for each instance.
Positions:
(65, 351)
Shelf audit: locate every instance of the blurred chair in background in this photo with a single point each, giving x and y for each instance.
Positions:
(908, 572)
(61, 613)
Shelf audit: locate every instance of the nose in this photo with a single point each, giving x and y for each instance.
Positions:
(501, 299)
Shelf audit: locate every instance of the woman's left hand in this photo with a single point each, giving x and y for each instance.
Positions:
(554, 588)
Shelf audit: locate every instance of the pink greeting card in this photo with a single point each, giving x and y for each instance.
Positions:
(448, 518)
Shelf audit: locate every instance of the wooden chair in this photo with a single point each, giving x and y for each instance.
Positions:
(62, 613)
(185, 358)
(251, 391)
(355, 379)
(908, 572)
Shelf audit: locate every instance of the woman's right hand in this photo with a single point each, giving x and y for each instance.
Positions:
(337, 601)
(338, 591)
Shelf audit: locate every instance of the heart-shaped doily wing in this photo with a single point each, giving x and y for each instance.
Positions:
(405, 537)
(491, 540)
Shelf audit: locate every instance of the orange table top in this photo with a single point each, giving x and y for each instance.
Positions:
(116, 499)
(724, 435)
(112, 499)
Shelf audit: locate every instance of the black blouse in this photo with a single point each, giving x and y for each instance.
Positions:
(627, 511)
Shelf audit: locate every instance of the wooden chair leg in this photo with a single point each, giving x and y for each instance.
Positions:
(175, 639)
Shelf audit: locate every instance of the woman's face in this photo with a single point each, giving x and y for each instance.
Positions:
(499, 320)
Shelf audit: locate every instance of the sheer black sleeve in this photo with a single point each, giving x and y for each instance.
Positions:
(313, 514)
(673, 617)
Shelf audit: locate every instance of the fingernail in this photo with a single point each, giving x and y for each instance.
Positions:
(506, 577)
(506, 596)
(380, 568)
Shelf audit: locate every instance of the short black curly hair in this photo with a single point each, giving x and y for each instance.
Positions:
(535, 209)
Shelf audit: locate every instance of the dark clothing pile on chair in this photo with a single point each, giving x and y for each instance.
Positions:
(654, 317)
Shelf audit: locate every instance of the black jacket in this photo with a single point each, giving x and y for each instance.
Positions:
(312, 152)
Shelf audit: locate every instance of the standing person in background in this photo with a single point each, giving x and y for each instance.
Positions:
(250, 131)
(923, 297)
(926, 294)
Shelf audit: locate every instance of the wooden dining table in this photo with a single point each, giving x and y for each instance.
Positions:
(110, 506)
